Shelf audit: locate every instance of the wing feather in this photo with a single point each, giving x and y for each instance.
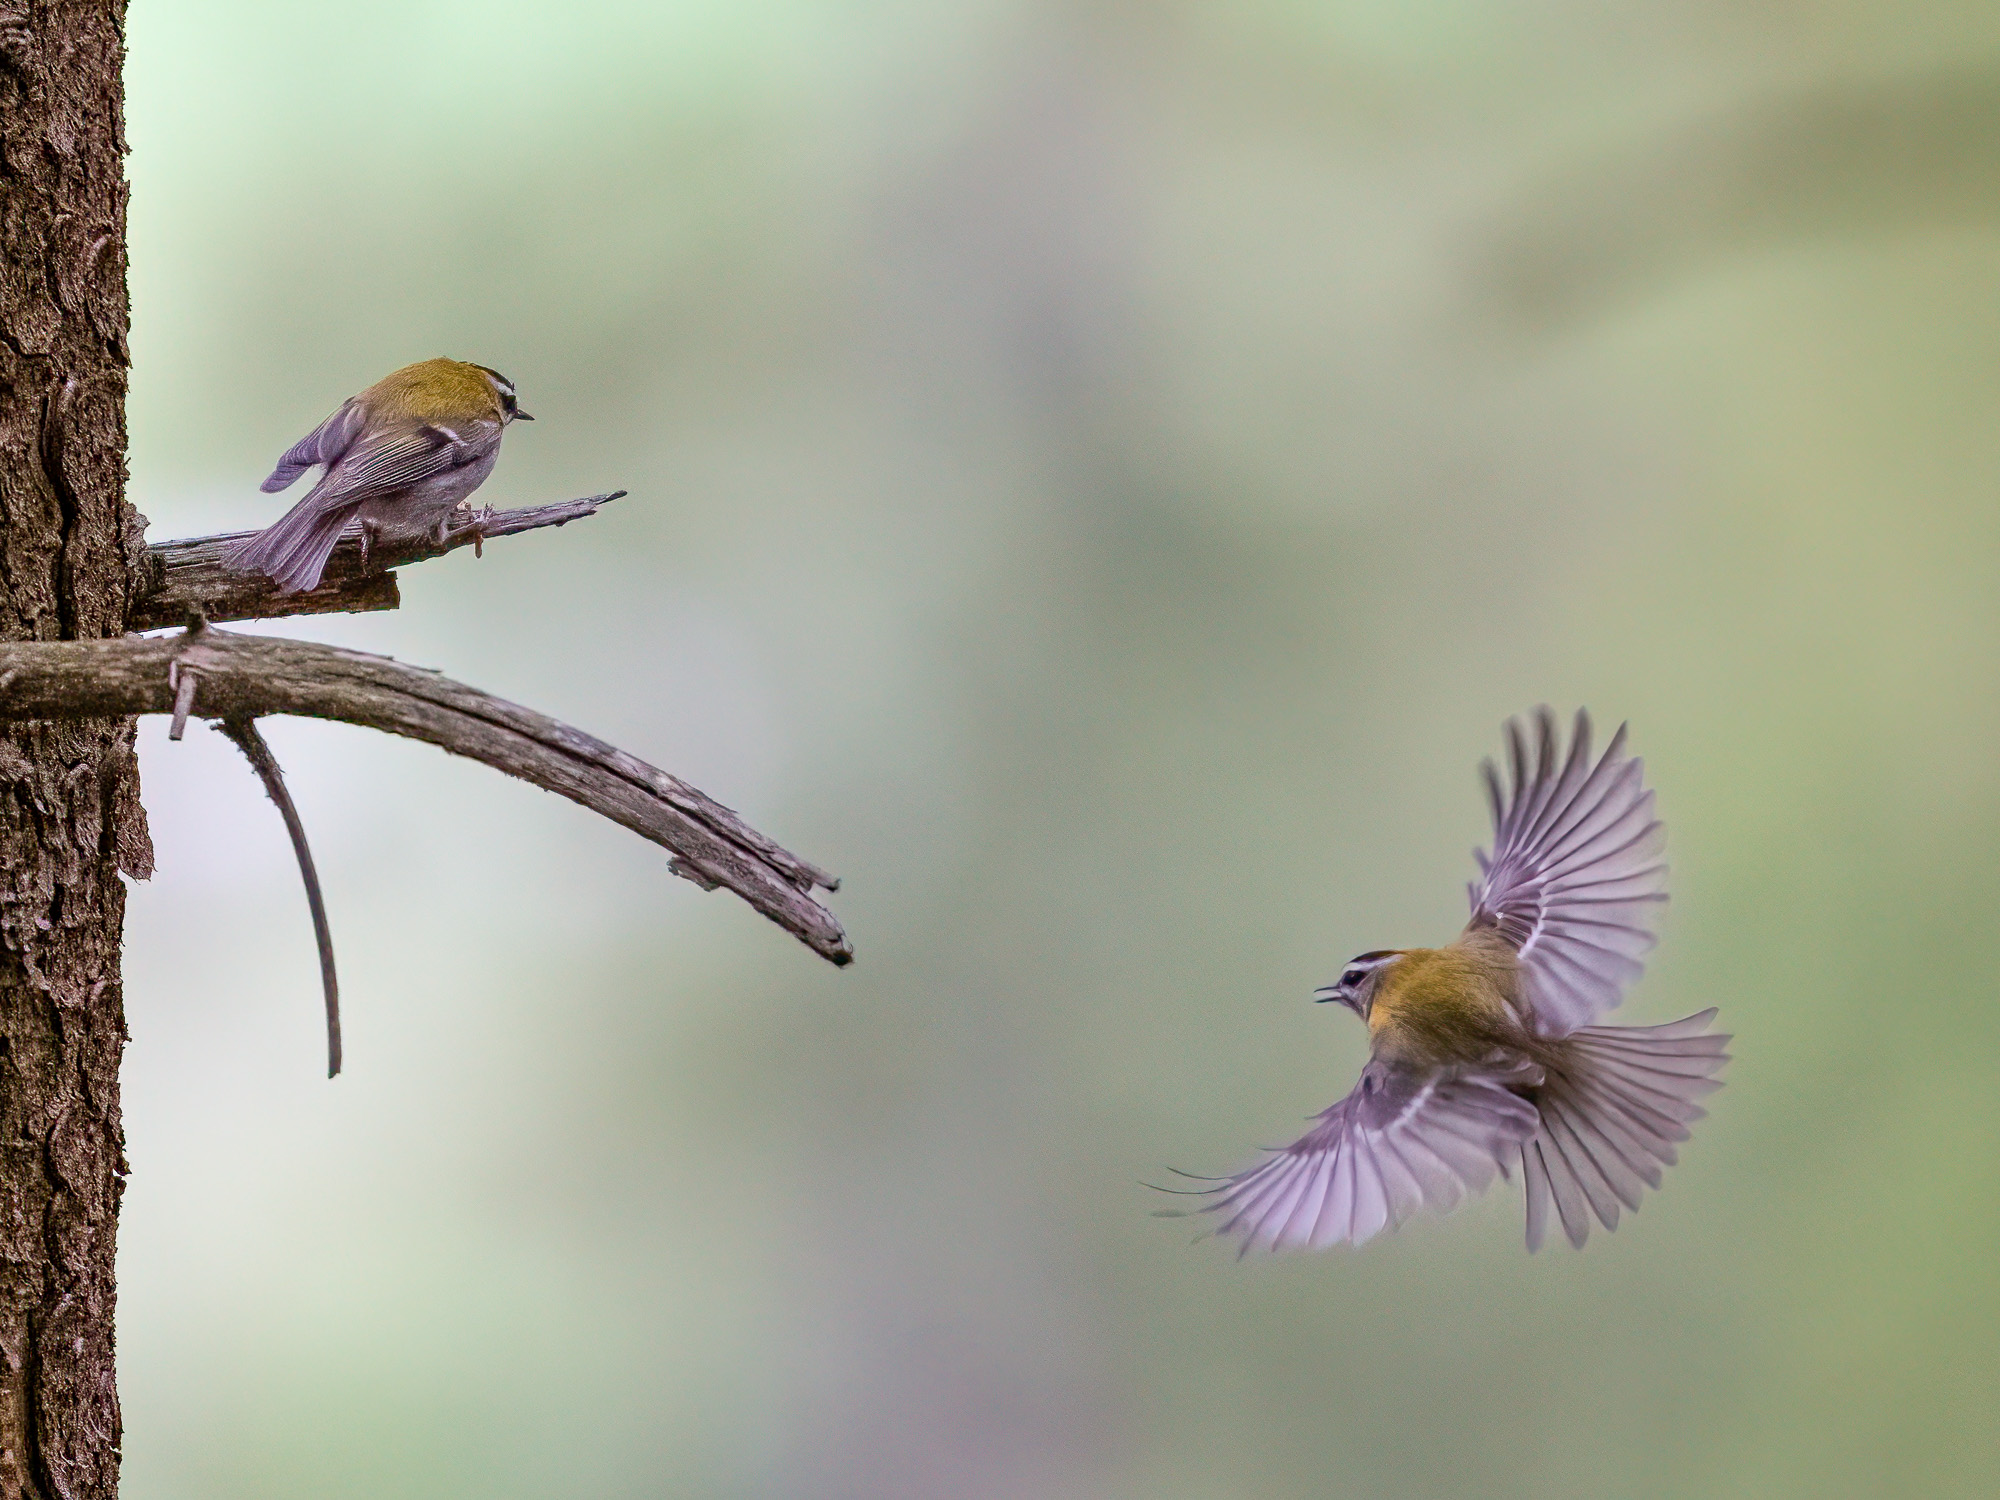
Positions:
(1576, 878)
(1405, 1139)
(1329, 1227)
(1304, 1216)
(382, 464)
(323, 445)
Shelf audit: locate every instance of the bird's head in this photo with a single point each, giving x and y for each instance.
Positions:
(510, 409)
(446, 391)
(1355, 988)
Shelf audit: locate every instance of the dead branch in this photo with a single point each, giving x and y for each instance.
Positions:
(246, 677)
(186, 577)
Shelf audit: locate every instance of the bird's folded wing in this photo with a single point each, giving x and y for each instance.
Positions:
(380, 463)
(1576, 878)
(323, 445)
(1403, 1139)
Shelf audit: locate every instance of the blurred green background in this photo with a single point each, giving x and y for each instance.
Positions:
(1101, 474)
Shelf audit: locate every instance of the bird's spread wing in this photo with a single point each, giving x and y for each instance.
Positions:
(1404, 1138)
(1576, 878)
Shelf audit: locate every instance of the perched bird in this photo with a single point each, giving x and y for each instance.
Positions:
(1482, 1052)
(406, 451)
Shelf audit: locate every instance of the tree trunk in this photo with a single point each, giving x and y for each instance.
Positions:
(69, 806)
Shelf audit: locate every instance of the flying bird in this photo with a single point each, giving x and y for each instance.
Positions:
(1483, 1052)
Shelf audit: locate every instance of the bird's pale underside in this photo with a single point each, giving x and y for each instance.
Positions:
(1483, 1052)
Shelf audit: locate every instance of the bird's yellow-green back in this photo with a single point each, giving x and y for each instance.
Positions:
(1443, 1004)
(436, 390)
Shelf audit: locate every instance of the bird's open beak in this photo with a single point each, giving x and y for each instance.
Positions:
(1333, 992)
(521, 416)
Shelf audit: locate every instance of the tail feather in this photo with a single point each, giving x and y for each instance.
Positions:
(1613, 1103)
(293, 550)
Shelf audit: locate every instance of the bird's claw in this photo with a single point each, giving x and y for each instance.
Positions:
(475, 525)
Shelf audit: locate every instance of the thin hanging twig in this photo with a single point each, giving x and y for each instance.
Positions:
(265, 764)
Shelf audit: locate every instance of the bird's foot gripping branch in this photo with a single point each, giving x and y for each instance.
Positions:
(190, 577)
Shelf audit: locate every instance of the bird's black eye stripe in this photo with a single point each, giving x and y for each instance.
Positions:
(501, 384)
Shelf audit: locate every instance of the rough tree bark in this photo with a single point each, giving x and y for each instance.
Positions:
(69, 807)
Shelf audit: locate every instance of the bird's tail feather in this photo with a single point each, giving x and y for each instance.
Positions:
(293, 550)
(1613, 1101)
